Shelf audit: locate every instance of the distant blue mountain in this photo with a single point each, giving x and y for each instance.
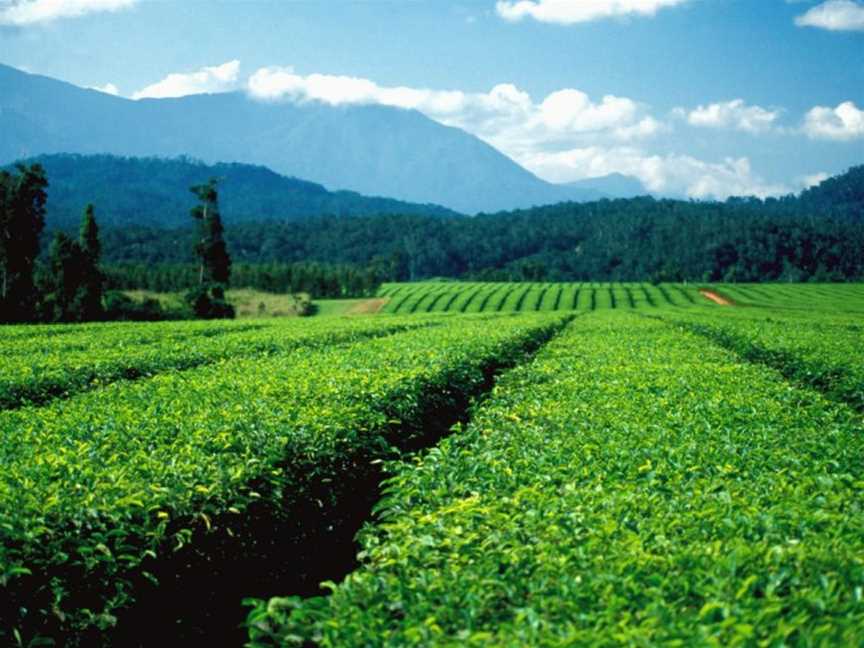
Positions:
(373, 150)
(614, 185)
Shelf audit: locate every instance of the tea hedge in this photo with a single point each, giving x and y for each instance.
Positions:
(94, 357)
(633, 485)
(474, 297)
(99, 492)
(823, 351)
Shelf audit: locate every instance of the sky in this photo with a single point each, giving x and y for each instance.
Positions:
(697, 98)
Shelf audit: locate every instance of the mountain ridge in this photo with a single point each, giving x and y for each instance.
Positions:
(371, 149)
(154, 192)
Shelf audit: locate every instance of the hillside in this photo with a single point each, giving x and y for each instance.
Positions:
(622, 240)
(153, 192)
(373, 150)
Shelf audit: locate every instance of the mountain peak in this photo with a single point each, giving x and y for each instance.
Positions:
(374, 150)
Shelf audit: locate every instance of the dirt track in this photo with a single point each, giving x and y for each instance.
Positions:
(368, 306)
(717, 299)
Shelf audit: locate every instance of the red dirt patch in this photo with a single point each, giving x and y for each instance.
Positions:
(717, 299)
(368, 307)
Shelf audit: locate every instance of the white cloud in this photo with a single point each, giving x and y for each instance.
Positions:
(733, 114)
(220, 78)
(843, 123)
(568, 12)
(667, 174)
(566, 136)
(108, 88)
(834, 15)
(506, 116)
(28, 12)
(814, 179)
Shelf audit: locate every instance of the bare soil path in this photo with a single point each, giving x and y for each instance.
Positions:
(717, 299)
(368, 306)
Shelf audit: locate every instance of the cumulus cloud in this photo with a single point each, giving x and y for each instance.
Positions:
(29, 12)
(506, 116)
(813, 180)
(565, 136)
(568, 12)
(667, 174)
(733, 114)
(220, 78)
(843, 123)
(834, 15)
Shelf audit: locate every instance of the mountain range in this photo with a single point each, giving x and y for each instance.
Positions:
(374, 150)
(154, 192)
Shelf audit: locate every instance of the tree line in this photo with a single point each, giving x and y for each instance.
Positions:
(70, 284)
(816, 236)
(319, 280)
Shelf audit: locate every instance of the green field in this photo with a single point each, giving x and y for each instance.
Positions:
(464, 297)
(528, 465)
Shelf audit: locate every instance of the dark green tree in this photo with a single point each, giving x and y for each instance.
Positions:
(22, 219)
(92, 286)
(67, 267)
(214, 269)
(215, 264)
(73, 283)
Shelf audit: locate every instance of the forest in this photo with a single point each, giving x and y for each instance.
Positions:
(815, 236)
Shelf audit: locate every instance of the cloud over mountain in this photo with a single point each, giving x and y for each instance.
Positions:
(219, 78)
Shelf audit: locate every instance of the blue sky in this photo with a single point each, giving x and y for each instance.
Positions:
(703, 98)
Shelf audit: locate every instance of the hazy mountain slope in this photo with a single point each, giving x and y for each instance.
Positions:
(154, 192)
(614, 185)
(370, 149)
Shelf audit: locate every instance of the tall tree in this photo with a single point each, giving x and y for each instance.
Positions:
(66, 265)
(215, 264)
(89, 235)
(92, 280)
(73, 285)
(22, 219)
(208, 300)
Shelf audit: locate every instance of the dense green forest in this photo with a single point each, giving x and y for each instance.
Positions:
(816, 236)
(320, 280)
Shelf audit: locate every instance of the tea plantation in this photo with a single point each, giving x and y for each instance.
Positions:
(527, 465)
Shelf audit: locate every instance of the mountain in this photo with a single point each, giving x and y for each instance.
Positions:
(614, 185)
(154, 192)
(374, 150)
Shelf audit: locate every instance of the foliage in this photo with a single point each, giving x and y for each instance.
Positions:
(207, 299)
(320, 280)
(633, 485)
(822, 352)
(119, 307)
(22, 218)
(49, 366)
(814, 237)
(111, 491)
(493, 297)
(72, 289)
